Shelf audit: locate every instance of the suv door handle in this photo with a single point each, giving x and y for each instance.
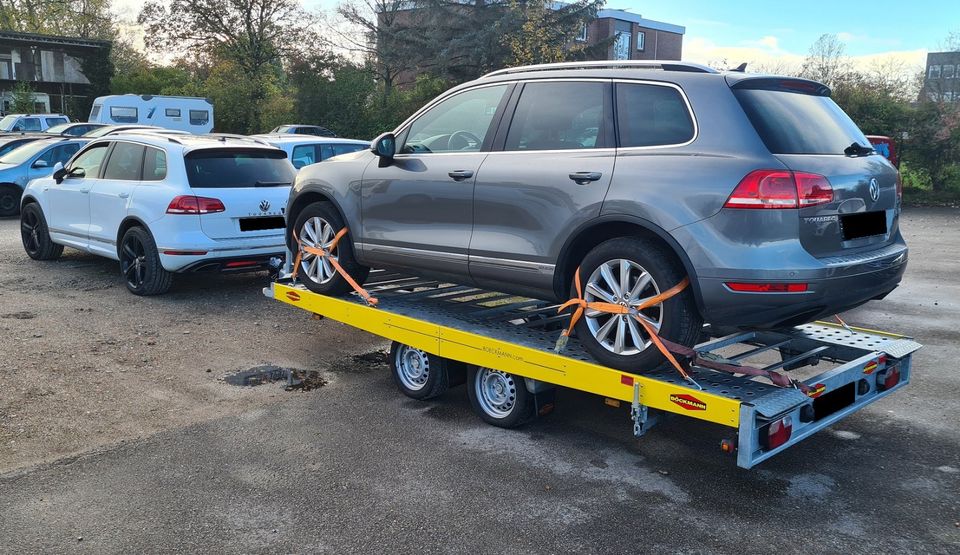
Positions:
(582, 178)
(84, 191)
(460, 175)
(123, 195)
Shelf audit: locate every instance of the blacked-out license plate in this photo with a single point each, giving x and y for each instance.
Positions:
(864, 224)
(260, 224)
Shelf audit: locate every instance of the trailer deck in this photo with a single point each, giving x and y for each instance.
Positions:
(517, 335)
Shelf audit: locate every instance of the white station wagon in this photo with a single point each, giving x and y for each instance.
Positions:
(163, 204)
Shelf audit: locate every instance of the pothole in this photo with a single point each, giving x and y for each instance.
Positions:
(292, 378)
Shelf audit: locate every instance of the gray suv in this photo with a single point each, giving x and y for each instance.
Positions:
(759, 189)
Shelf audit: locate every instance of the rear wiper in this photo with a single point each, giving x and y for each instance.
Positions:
(857, 149)
(271, 183)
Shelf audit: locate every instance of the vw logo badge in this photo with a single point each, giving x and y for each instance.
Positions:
(874, 189)
(265, 205)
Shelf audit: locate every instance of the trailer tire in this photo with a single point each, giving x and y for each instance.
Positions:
(499, 398)
(322, 218)
(418, 374)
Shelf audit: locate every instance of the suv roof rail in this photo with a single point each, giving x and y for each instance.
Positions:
(665, 65)
(222, 136)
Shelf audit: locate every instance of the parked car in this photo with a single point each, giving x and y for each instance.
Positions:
(186, 113)
(32, 160)
(886, 147)
(11, 141)
(303, 130)
(73, 129)
(13, 123)
(635, 174)
(162, 204)
(305, 150)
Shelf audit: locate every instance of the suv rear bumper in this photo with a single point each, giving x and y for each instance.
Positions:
(840, 284)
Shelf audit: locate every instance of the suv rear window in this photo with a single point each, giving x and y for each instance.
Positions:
(799, 123)
(238, 168)
(652, 115)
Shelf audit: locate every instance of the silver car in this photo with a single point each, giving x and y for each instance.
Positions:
(34, 159)
(758, 189)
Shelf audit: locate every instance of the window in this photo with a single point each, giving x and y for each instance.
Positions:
(329, 151)
(60, 153)
(948, 71)
(651, 115)
(94, 112)
(91, 159)
(796, 123)
(304, 155)
(621, 46)
(223, 168)
(121, 114)
(172, 112)
(558, 116)
(55, 121)
(458, 124)
(125, 162)
(934, 72)
(199, 117)
(641, 39)
(29, 124)
(582, 35)
(154, 164)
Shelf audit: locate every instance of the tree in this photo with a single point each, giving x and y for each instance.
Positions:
(89, 19)
(547, 30)
(250, 37)
(825, 62)
(23, 102)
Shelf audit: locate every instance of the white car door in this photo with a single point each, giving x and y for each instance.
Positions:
(68, 203)
(110, 195)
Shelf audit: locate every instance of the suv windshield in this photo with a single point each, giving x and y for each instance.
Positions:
(797, 123)
(7, 122)
(235, 168)
(24, 153)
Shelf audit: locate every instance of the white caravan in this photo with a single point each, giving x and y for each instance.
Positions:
(186, 113)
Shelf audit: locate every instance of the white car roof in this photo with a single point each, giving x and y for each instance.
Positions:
(188, 142)
(278, 138)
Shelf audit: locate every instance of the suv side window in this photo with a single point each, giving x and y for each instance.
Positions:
(559, 116)
(126, 162)
(154, 165)
(458, 124)
(652, 115)
(90, 160)
(31, 124)
(304, 155)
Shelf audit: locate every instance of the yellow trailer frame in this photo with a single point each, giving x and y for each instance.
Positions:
(743, 404)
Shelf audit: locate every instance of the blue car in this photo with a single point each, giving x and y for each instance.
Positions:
(30, 161)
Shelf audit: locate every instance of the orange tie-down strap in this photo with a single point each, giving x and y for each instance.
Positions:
(325, 254)
(667, 348)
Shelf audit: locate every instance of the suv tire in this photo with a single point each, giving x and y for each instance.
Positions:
(140, 264)
(628, 261)
(35, 235)
(317, 224)
(9, 200)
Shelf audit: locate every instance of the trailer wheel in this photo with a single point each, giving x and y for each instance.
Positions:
(418, 374)
(499, 398)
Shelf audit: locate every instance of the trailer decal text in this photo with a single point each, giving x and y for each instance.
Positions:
(688, 402)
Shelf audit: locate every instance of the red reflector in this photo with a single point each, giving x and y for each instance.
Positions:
(779, 432)
(293, 296)
(241, 264)
(780, 189)
(888, 378)
(189, 204)
(743, 287)
(185, 253)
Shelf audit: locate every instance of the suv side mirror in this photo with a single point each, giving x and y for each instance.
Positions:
(384, 146)
(41, 163)
(59, 173)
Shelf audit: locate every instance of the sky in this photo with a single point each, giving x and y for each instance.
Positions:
(754, 31)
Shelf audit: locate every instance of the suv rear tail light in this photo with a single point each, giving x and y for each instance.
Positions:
(780, 189)
(742, 287)
(189, 204)
(888, 378)
(899, 188)
(778, 433)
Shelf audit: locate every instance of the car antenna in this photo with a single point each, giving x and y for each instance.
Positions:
(742, 68)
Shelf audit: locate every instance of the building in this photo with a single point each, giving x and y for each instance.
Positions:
(942, 78)
(65, 73)
(633, 37)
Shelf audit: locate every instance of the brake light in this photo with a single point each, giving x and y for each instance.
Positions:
(742, 287)
(778, 432)
(899, 188)
(888, 378)
(189, 204)
(780, 189)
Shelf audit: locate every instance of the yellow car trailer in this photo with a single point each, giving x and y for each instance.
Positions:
(503, 347)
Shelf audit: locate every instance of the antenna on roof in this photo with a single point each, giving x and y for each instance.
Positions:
(742, 68)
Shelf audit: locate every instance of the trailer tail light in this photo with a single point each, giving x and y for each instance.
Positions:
(189, 204)
(779, 189)
(745, 287)
(778, 433)
(888, 378)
